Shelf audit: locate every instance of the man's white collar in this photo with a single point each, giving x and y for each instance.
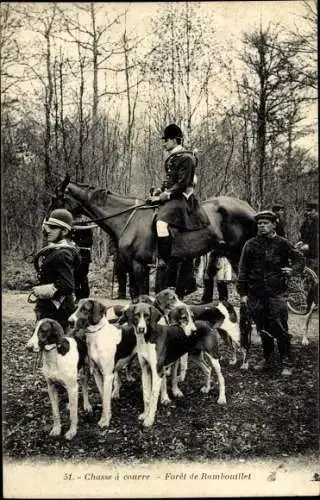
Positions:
(177, 149)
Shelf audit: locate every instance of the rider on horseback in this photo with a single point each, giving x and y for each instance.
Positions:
(178, 206)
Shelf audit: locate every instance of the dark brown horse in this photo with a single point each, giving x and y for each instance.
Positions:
(131, 223)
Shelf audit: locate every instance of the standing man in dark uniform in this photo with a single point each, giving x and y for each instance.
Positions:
(264, 264)
(278, 209)
(308, 243)
(178, 208)
(56, 265)
(83, 238)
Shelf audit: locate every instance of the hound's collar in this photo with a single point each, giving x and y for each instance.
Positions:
(95, 328)
(49, 347)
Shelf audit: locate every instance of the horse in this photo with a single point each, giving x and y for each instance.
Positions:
(130, 222)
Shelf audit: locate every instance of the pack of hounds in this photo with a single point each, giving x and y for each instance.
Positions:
(163, 332)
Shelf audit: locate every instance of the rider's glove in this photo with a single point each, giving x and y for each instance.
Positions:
(153, 200)
(165, 196)
(44, 291)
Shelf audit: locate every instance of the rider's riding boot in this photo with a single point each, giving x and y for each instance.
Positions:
(207, 296)
(222, 290)
(164, 250)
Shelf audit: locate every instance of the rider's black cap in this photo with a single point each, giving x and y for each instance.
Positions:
(172, 132)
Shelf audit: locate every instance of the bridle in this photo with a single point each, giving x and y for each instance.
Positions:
(116, 214)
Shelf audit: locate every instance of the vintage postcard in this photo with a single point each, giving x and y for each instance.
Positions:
(160, 325)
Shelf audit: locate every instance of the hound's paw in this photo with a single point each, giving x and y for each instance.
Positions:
(88, 408)
(142, 416)
(305, 341)
(182, 376)
(166, 400)
(205, 389)
(115, 395)
(55, 431)
(103, 422)
(177, 393)
(222, 401)
(244, 366)
(232, 361)
(70, 434)
(148, 422)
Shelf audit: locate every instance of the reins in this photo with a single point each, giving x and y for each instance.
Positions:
(126, 210)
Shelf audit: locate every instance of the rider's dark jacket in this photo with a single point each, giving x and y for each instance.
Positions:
(83, 238)
(260, 266)
(181, 211)
(57, 264)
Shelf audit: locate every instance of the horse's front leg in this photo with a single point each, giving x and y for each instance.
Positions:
(139, 283)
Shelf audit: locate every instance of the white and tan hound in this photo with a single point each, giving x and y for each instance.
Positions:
(109, 349)
(62, 357)
(229, 330)
(160, 345)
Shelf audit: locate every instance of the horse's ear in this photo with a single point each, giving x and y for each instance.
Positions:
(64, 183)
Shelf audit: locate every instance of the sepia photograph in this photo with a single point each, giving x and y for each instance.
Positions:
(160, 249)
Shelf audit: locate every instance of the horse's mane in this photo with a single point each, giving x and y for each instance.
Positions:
(94, 191)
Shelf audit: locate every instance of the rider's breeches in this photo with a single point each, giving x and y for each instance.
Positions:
(270, 315)
(162, 229)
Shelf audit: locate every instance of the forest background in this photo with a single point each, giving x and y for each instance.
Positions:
(87, 88)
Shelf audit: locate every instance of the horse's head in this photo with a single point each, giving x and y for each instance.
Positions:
(63, 198)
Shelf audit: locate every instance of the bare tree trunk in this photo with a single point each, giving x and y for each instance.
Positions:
(63, 132)
(80, 166)
(48, 106)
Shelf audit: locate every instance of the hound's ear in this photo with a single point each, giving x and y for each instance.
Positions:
(98, 311)
(56, 331)
(63, 347)
(128, 315)
(155, 315)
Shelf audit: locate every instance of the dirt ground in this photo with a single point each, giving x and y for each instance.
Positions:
(265, 416)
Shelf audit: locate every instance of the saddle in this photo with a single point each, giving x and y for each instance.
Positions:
(189, 244)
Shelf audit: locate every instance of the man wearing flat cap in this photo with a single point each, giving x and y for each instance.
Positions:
(308, 243)
(278, 210)
(178, 208)
(56, 265)
(265, 261)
